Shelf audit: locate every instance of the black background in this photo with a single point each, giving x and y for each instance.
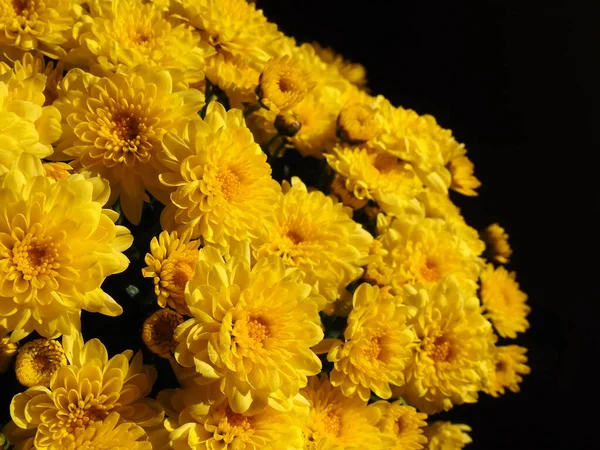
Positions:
(515, 81)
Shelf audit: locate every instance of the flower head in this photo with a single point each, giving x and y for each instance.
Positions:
(283, 84)
(357, 124)
(38, 361)
(510, 363)
(376, 349)
(337, 422)
(131, 33)
(402, 425)
(463, 180)
(451, 362)
(195, 425)
(171, 263)
(236, 78)
(114, 126)
(447, 436)
(34, 25)
(497, 240)
(251, 331)
(504, 303)
(83, 394)
(158, 332)
(57, 245)
(353, 72)
(317, 235)
(222, 183)
(8, 350)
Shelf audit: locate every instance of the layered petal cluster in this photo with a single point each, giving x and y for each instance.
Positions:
(451, 363)
(337, 422)
(222, 183)
(192, 424)
(317, 235)
(442, 435)
(57, 245)
(252, 330)
(81, 401)
(402, 425)
(376, 348)
(234, 76)
(510, 363)
(27, 123)
(114, 125)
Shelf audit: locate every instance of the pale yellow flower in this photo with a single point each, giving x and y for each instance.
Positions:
(510, 363)
(38, 361)
(283, 84)
(447, 436)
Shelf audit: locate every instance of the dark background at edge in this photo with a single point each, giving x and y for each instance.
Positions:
(515, 82)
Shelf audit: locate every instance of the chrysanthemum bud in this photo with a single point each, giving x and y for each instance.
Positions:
(287, 124)
(158, 332)
(283, 84)
(357, 124)
(38, 360)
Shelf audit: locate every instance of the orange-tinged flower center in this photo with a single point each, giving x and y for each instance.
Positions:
(229, 183)
(35, 255)
(440, 351)
(83, 414)
(373, 350)
(182, 274)
(24, 11)
(233, 425)
(251, 332)
(332, 422)
(399, 425)
(257, 330)
(430, 271)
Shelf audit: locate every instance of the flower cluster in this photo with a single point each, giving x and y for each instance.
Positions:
(313, 284)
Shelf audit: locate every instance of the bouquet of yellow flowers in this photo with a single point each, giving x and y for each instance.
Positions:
(289, 269)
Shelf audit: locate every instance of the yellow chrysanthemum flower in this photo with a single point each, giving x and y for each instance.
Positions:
(8, 350)
(283, 84)
(317, 235)
(252, 329)
(114, 126)
(231, 26)
(505, 304)
(336, 422)
(447, 436)
(38, 361)
(497, 240)
(375, 175)
(26, 125)
(376, 348)
(451, 362)
(84, 394)
(194, 425)
(402, 425)
(131, 33)
(510, 363)
(158, 332)
(33, 25)
(171, 263)
(236, 78)
(463, 180)
(423, 251)
(357, 124)
(353, 72)
(57, 170)
(57, 245)
(223, 185)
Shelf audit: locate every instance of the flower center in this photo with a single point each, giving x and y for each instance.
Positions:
(82, 414)
(36, 255)
(251, 333)
(257, 330)
(441, 350)
(24, 10)
(294, 237)
(373, 349)
(430, 272)
(500, 366)
(233, 425)
(229, 183)
(357, 124)
(182, 274)
(399, 425)
(332, 423)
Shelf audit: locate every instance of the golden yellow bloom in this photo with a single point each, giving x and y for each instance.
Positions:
(252, 329)
(283, 84)
(38, 361)
(131, 33)
(341, 193)
(376, 348)
(195, 425)
(447, 436)
(83, 394)
(338, 422)
(353, 72)
(57, 245)
(451, 362)
(234, 77)
(423, 251)
(114, 126)
(223, 185)
(34, 25)
(463, 180)
(57, 170)
(232, 26)
(7, 351)
(497, 240)
(510, 363)
(171, 263)
(505, 304)
(375, 175)
(318, 236)
(402, 425)
(357, 124)
(26, 125)
(159, 330)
